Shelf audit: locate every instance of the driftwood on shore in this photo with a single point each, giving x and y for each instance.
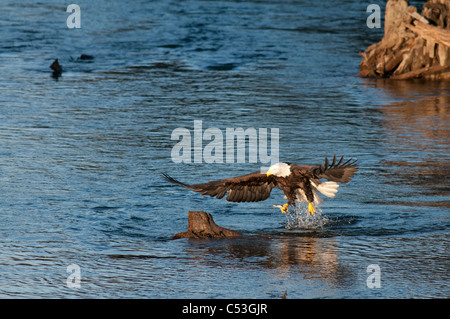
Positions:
(414, 45)
(202, 225)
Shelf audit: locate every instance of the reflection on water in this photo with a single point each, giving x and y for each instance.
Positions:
(262, 251)
(314, 258)
(417, 139)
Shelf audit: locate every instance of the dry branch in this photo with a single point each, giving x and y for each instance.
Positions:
(431, 33)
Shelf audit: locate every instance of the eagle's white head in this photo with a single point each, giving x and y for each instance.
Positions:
(279, 170)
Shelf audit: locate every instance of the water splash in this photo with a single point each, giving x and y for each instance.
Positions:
(299, 218)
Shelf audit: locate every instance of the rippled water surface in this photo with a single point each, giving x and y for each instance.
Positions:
(81, 155)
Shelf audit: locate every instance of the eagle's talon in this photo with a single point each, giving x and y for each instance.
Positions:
(311, 209)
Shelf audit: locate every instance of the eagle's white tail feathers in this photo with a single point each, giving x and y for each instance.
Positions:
(301, 197)
(317, 199)
(329, 189)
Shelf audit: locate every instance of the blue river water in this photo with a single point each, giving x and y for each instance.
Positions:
(81, 154)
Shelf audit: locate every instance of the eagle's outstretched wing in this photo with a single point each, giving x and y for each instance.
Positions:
(340, 172)
(253, 187)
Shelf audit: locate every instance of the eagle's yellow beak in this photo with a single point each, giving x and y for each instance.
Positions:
(269, 172)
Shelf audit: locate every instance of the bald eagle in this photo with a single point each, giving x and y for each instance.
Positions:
(298, 182)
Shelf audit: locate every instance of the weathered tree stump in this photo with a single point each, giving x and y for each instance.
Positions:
(202, 225)
(414, 45)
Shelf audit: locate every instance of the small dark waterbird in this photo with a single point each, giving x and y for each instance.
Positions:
(298, 182)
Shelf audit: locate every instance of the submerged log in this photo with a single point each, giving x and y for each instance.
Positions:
(202, 225)
(414, 45)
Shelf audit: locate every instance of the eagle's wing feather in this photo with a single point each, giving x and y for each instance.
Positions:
(253, 187)
(340, 172)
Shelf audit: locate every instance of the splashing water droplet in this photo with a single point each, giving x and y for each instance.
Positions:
(300, 218)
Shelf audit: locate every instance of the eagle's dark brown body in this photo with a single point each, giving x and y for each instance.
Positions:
(296, 181)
